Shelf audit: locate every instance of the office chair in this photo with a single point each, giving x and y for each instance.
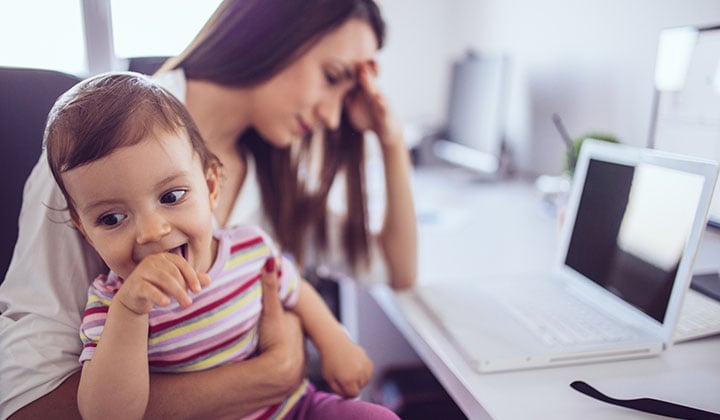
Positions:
(26, 96)
(145, 65)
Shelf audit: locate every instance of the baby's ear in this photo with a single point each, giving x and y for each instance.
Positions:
(212, 177)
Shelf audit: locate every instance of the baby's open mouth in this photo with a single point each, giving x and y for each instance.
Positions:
(181, 251)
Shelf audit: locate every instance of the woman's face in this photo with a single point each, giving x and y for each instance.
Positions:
(309, 93)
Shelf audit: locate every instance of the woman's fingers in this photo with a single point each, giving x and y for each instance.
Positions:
(271, 325)
(366, 80)
(373, 66)
(280, 332)
(270, 286)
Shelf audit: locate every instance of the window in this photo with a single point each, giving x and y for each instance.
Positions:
(50, 34)
(44, 34)
(157, 27)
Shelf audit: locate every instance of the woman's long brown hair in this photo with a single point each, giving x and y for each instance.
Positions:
(247, 42)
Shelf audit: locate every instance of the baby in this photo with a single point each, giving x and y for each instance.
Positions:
(181, 296)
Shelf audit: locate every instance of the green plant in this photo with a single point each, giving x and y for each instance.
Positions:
(573, 153)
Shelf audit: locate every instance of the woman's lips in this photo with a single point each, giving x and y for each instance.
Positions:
(304, 129)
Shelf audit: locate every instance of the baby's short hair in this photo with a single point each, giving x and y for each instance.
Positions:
(109, 111)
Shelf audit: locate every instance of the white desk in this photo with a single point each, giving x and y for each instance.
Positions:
(505, 228)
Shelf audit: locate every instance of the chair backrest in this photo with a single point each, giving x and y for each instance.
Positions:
(26, 96)
(146, 65)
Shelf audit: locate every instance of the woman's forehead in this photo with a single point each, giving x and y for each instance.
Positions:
(353, 42)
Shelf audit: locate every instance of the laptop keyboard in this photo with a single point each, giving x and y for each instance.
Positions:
(700, 317)
(547, 322)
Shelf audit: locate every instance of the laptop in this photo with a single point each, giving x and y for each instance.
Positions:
(633, 223)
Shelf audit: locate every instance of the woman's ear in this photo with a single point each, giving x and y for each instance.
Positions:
(212, 177)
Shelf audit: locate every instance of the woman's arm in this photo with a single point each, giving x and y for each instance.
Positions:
(62, 402)
(42, 300)
(398, 237)
(229, 391)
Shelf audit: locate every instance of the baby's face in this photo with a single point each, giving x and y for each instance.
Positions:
(144, 199)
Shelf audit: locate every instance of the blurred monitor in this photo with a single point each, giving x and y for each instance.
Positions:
(475, 115)
(686, 106)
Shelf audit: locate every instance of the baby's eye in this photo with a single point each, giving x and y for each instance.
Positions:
(172, 197)
(111, 219)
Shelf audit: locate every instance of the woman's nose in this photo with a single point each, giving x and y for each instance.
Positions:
(329, 110)
(151, 228)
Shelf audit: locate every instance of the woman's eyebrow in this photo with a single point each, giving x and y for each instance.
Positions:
(350, 73)
(347, 71)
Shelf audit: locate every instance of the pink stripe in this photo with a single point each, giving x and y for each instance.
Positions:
(199, 355)
(95, 318)
(218, 289)
(157, 328)
(246, 244)
(227, 324)
(196, 349)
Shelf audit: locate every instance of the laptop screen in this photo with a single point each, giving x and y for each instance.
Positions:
(631, 228)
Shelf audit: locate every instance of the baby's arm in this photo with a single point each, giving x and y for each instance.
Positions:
(116, 382)
(345, 366)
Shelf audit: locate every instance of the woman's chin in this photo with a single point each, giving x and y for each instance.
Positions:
(279, 140)
(284, 142)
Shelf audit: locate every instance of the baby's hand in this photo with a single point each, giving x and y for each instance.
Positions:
(346, 368)
(157, 279)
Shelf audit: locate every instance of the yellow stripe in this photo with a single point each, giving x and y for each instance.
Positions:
(291, 400)
(219, 358)
(94, 298)
(84, 338)
(294, 284)
(247, 255)
(253, 295)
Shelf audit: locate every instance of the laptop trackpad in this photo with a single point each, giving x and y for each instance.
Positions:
(479, 328)
(488, 344)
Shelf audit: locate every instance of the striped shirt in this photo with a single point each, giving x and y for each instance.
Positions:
(221, 324)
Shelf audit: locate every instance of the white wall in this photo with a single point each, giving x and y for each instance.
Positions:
(591, 61)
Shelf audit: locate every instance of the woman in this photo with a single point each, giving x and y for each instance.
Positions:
(250, 108)
(260, 79)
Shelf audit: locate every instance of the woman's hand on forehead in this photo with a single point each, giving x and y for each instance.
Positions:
(367, 107)
(372, 66)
